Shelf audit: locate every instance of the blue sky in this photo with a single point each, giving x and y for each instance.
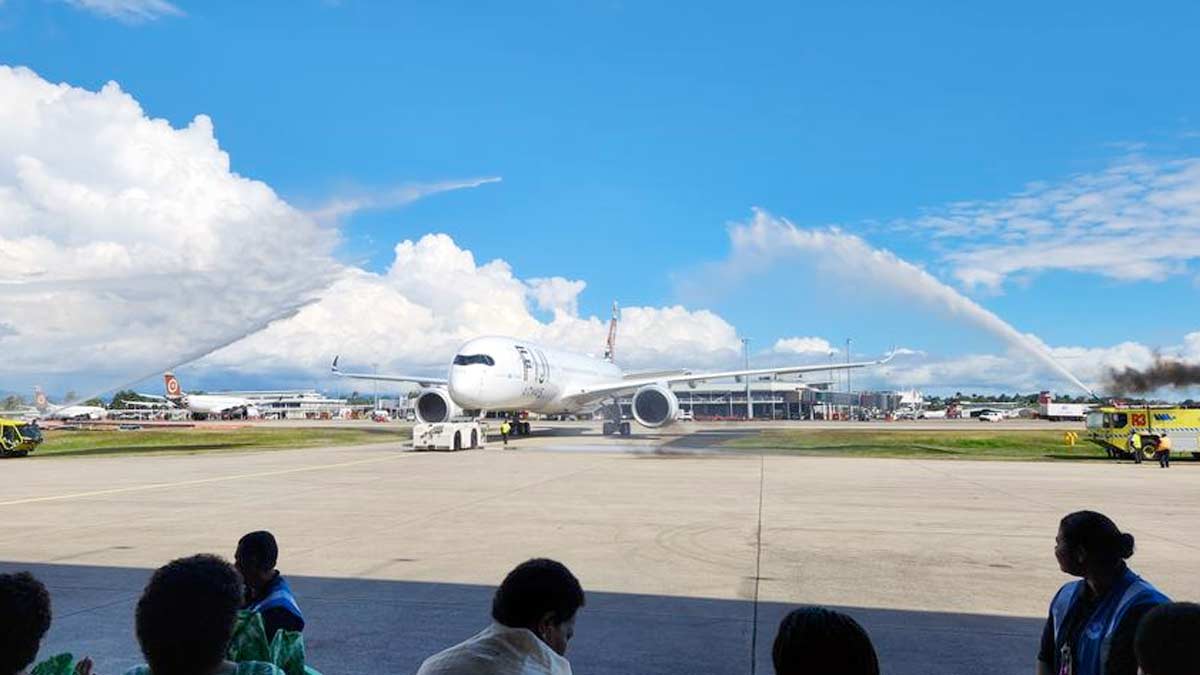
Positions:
(630, 135)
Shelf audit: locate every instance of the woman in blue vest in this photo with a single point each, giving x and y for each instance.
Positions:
(1093, 621)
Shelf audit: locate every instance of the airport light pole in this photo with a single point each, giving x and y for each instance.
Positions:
(375, 366)
(850, 405)
(749, 401)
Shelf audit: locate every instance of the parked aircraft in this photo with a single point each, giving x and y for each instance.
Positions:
(204, 405)
(510, 374)
(49, 411)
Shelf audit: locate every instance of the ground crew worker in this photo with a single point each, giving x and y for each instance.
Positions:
(1135, 446)
(1163, 453)
(505, 427)
(1091, 625)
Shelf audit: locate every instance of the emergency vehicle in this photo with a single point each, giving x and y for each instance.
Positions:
(1110, 426)
(18, 439)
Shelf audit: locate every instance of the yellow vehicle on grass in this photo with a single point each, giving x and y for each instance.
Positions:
(18, 439)
(1110, 426)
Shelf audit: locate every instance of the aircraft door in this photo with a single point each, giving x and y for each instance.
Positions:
(526, 363)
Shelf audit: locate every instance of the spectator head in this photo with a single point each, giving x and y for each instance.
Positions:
(818, 640)
(24, 619)
(257, 554)
(1090, 541)
(543, 596)
(186, 614)
(1166, 641)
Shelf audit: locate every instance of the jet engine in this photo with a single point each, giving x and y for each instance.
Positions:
(435, 405)
(655, 406)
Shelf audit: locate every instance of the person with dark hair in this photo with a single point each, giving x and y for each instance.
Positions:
(533, 615)
(24, 620)
(1168, 640)
(819, 641)
(1092, 621)
(267, 592)
(185, 619)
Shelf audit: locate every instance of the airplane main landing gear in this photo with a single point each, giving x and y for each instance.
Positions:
(615, 428)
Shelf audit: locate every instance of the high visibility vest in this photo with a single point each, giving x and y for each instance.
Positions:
(1164, 443)
(1094, 641)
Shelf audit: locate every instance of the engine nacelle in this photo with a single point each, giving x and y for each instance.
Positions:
(435, 405)
(655, 406)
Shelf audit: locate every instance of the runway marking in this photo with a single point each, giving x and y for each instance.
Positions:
(200, 481)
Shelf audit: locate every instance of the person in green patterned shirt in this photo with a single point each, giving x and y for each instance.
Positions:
(185, 620)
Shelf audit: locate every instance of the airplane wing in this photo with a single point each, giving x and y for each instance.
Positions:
(595, 392)
(423, 381)
(646, 374)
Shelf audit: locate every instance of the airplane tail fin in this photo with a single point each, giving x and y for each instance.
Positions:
(610, 346)
(39, 399)
(174, 391)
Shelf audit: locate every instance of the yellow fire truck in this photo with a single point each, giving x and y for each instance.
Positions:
(18, 439)
(1110, 426)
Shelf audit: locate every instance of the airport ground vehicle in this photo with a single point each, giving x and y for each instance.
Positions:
(452, 435)
(991, 416)
(17, 438)
(1110, 426)
(1057, 412)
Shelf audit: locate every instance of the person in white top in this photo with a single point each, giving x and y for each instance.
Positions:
(533, 621)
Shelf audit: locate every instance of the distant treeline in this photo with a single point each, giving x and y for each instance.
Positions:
(1030, 400)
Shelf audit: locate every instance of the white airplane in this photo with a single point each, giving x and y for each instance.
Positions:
(207, 404)
(510, 374)
(49, 411)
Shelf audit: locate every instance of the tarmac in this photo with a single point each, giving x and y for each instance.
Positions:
(689, 555)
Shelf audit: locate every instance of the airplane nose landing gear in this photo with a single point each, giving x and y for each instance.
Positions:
(613, 424)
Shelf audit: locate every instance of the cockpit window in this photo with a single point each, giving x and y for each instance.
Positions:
(468, 359)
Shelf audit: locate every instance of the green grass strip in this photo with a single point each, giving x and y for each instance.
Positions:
(966, 444)
(69, 443)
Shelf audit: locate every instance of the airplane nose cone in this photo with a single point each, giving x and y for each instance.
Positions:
(466, 386)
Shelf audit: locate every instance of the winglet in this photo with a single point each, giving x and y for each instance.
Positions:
(890, 355)
(334, 367)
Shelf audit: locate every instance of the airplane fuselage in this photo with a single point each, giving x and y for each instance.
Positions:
(501, 373)
(208, 404)
(73, 412)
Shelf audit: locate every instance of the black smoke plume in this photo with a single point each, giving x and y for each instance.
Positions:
(1163, 373)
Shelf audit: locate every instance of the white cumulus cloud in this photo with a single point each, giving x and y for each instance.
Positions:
(803, 345)
(435, 296)
(129, 244)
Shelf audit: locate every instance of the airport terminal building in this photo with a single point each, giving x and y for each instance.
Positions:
(294, 405)
(779, 400)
